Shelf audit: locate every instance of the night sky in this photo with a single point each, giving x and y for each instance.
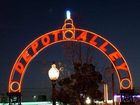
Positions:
(22, 21)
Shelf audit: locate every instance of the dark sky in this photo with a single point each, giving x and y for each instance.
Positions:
(22, 21)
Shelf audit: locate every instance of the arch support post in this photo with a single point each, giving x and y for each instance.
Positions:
(14, 98)
(127, 97)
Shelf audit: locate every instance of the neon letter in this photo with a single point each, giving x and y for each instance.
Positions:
(122, 67)
(82, 36)
(115, 55)
(102, 47)
(19, 67)
(92, 41)
(45, 40)
(34, 47)
(56, 35)
(26, 56)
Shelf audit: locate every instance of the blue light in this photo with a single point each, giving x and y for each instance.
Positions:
(68, 14)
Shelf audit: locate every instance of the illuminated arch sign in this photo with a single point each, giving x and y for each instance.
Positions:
(70, 33)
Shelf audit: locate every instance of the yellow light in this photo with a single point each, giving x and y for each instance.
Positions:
(53, 73)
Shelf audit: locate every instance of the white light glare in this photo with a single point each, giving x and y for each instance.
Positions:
(68, 14)
(88, 100)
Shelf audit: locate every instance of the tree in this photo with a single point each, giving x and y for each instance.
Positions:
(83, 83)
(3, 98)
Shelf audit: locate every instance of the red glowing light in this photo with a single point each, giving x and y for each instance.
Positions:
(78, 35)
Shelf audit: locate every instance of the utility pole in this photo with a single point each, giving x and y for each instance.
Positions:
(113, 85)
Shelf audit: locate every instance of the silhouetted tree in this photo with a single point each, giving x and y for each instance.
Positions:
(3, 98)
(83, 83)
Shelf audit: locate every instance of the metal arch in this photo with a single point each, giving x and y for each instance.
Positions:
(21, 69)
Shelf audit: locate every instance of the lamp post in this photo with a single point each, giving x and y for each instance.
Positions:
(53, 75)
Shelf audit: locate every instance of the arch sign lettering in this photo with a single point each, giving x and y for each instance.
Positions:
(69, 33)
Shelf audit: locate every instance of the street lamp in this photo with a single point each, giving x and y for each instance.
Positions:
(88, 101)
(53, 75)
